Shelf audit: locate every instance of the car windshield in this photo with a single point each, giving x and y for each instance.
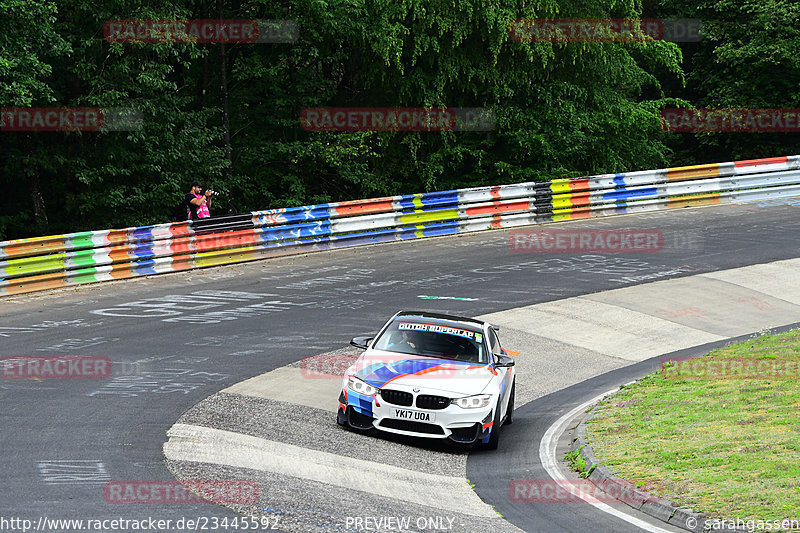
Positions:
(418, 337)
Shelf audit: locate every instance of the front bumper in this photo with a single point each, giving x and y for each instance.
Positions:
(465, 426)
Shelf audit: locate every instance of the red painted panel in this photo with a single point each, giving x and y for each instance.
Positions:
(765, 161)
(498, 207)
(362, 207)
(222, 241)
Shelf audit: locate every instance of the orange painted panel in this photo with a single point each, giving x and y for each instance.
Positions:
(182, 245)
(121, 271)
(693, 172)
(580, 199)
(35, 246)
(37, 283)
(360, 207)
(579, 185)
(119, 254)
(693, 200)
(117, 236)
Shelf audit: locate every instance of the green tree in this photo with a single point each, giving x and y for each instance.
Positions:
(29, 45)
(749, 57)
(562, 108)
(92, 180)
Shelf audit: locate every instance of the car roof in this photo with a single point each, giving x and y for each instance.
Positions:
(441, 316)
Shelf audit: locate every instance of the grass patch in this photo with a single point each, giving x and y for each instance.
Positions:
(719, 433)
(578, 463)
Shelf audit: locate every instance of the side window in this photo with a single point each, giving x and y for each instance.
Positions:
(494, 343)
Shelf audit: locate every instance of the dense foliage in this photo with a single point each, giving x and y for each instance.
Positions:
(228, 115)
(749, 57)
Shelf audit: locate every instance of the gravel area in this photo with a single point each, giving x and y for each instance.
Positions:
(317, 430)
(304, 506)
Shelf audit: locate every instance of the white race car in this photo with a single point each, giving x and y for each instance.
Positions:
(431, 375)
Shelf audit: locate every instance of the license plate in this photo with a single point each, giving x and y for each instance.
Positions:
(416, 416)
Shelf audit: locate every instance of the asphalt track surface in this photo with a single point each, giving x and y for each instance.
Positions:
(177, 339)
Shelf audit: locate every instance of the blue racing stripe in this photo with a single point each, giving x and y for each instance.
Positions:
(361, 403)
(379, 374)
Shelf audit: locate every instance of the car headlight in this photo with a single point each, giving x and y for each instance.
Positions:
(472, 402)
(361, 387)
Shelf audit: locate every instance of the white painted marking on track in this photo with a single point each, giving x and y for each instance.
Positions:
(73, 472)
(547, 454)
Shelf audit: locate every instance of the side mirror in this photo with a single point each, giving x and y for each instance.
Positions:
(361, 342)
(504, 361)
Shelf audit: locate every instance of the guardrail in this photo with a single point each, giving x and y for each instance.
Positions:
(40, 263)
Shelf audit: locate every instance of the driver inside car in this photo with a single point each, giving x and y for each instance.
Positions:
(402, 342)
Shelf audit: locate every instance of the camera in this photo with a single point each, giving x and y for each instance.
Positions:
(211, 191)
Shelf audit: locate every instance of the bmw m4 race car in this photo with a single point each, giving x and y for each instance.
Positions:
(431, 375)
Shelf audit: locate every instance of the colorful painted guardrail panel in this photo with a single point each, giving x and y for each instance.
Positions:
(41, 263)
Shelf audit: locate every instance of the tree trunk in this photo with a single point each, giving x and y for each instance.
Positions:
(34, 187)
(39, 211)
(204, 82)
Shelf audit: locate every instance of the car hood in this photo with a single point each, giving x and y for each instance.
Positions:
(387, 369)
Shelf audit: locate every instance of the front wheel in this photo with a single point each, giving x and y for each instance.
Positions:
(494, 435)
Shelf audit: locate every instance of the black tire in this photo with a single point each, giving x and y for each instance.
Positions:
(510, 409)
